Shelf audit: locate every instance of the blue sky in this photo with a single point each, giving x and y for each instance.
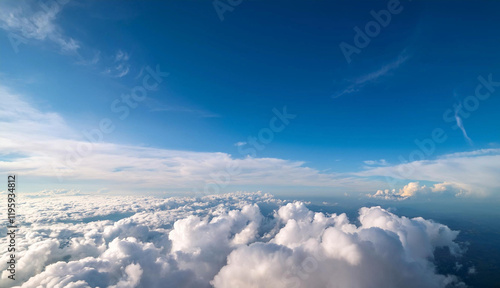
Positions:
(70, 62)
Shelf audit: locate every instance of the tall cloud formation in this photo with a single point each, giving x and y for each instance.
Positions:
(230, 240)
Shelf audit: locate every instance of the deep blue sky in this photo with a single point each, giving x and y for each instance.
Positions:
(225, 77)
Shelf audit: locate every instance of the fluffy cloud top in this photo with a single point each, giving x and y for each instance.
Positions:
(221, 241)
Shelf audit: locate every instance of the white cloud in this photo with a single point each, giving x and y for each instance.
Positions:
(414, 189)
(380, 162)
(42, 145)
(460, 124)
(121, 56)
(480, 152)
(220, 241)
(120, 66)
(36, 22)
(475, 172)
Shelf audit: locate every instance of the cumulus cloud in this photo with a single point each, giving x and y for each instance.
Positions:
(414, 189)
(221, 241)
(315, 250)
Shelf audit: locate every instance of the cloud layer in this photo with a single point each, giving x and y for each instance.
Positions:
(41, 144)
(230, 240)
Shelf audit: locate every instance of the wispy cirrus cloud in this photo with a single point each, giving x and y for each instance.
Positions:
(360, 82)
(119, 66)
(480, 152)
(460, 124)
(36, 21)
(381, 162)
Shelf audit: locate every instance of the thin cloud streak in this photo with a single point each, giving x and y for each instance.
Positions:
(461, 125)
(362, 81)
